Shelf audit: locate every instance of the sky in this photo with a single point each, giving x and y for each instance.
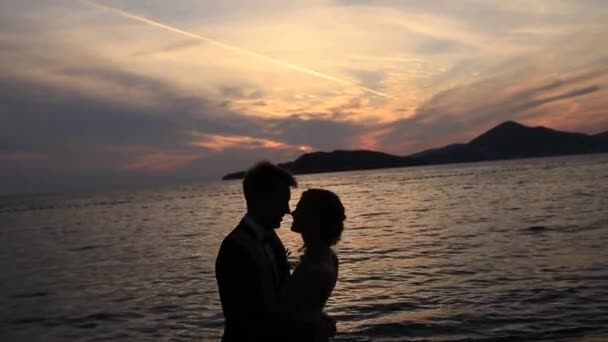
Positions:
(119, 93)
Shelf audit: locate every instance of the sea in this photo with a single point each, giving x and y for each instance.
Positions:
(494, 251)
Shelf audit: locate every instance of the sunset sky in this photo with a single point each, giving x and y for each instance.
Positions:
(128, 92)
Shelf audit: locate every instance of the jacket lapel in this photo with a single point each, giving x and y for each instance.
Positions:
(280, 256)
(246, 238)
(282, 263)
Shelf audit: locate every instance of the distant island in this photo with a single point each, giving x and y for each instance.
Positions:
(509, 140)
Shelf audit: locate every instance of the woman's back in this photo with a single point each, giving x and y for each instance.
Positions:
(316, 278)
(304, 296)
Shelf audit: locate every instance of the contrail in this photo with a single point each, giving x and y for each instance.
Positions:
(236, 49)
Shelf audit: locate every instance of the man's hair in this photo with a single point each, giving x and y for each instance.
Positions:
(263, 178)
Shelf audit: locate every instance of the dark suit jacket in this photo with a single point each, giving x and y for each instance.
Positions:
(248, 286)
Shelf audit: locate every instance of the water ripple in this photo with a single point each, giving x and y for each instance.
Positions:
(506, 251)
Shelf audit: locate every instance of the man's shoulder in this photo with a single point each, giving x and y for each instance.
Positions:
(238, 238)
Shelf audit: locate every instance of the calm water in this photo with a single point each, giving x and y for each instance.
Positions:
(493, 251)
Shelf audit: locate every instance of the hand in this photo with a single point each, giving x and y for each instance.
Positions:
(330, 325)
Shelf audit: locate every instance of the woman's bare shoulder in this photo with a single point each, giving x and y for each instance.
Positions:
(326, 267)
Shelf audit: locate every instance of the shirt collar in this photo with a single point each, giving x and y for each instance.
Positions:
(258, 230)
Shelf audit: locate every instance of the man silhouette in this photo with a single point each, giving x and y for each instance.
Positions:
(251, 265)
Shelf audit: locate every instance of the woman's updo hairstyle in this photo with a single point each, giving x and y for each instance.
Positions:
(327, 206)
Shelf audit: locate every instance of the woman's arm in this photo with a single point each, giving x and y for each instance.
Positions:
(303, 297)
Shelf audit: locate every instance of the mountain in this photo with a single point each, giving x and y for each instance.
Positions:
(341, 160)
(454, 153)
(513, 140)
(602, 136)
(509, 140)
(234, 175)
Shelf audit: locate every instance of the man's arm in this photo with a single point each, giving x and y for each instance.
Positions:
(241, 291)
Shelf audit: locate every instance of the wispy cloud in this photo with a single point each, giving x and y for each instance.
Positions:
(157, 91)
(236, 49)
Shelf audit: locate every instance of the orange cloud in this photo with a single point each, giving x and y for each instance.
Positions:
(218, 143)
(160, 162)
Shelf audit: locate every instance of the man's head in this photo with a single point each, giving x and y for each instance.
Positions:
(267, 190)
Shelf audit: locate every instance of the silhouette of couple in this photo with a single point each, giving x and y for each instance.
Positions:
(261, 300)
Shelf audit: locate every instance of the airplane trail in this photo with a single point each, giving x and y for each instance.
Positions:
(236, 49)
